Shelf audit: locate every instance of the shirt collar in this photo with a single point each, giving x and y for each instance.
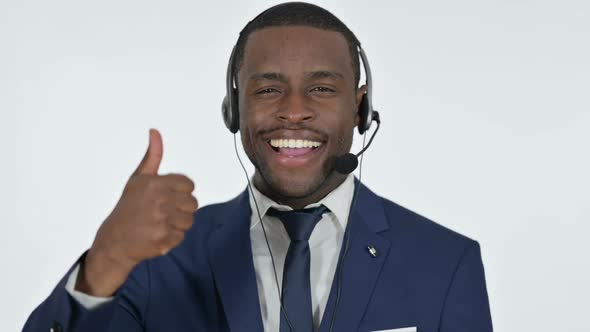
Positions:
(338, 201)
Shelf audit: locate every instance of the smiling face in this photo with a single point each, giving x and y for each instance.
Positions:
(298, 108)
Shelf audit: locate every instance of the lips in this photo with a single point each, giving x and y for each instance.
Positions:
(293, 147)
(288, 148)
(290, 152)
(288, 157)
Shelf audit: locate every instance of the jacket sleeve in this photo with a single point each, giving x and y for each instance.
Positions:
(60, 312)
(466, 306)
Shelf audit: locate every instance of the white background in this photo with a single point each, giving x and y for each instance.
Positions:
(485, 108)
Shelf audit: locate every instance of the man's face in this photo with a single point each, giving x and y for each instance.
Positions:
(298, 107)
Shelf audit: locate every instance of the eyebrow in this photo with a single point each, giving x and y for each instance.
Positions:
(319, 74)
(268, 76)
(312, 75)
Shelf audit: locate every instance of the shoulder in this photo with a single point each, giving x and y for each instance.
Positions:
(206, 215)
(416, 225)
(222, 209)
(424, 239)
(428, 253)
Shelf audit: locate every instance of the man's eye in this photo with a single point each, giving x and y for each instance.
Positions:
(322, 89)
(267, 90)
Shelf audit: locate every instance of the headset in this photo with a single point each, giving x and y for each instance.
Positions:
(343, 164)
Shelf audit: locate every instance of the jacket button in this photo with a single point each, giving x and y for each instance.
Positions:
(55, 327)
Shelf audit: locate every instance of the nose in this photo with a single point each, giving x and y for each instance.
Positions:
(294, 109)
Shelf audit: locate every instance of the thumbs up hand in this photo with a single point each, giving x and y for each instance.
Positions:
(149, 220)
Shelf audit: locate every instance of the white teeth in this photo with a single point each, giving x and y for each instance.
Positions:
(294, 143)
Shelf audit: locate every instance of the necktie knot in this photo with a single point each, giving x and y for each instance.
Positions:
(299, 223)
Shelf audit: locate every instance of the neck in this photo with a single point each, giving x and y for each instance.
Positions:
(333, 180)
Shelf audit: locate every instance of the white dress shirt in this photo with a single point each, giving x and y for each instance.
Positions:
(324, 244)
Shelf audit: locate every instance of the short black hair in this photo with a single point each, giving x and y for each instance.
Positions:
(298, 14)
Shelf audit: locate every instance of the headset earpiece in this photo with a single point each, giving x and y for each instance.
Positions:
(365, 110)
(230, 112)
(229, 106)
(364, 115)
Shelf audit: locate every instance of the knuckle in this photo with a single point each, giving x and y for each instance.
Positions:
(153, 185)
(161, 202)
(184, 181)
(189, 207)
(190, 183)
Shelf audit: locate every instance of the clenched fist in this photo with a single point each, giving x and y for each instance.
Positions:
(149, 220)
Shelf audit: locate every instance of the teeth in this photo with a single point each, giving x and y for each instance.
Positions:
(294, 143)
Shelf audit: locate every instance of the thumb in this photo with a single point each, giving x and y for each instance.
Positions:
(153, 156)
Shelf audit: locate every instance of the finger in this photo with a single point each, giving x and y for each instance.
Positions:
(150, 163)
(175, 237)
(179, 183)
(181, 221)
(185, 203)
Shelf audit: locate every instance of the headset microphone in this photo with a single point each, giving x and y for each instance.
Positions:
(347, 163)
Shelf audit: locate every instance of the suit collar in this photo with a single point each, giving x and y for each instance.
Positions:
(338, 201)
(368, 204)
(370, 208)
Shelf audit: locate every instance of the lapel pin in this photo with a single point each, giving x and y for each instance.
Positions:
(372, 251)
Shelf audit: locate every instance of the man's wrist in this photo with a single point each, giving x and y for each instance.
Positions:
(87, 301)
(102, 274)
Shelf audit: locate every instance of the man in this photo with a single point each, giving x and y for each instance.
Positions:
(305, 248)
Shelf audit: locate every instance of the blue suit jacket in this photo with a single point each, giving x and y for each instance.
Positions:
(424, 275)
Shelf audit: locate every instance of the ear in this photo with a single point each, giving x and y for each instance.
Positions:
(360, 92)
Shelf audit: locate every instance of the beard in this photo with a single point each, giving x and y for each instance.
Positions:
(289, 184)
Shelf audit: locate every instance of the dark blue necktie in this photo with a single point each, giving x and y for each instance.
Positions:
(296, 290)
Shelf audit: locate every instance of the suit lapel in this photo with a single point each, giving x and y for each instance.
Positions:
(230, 256)
(360, 269)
